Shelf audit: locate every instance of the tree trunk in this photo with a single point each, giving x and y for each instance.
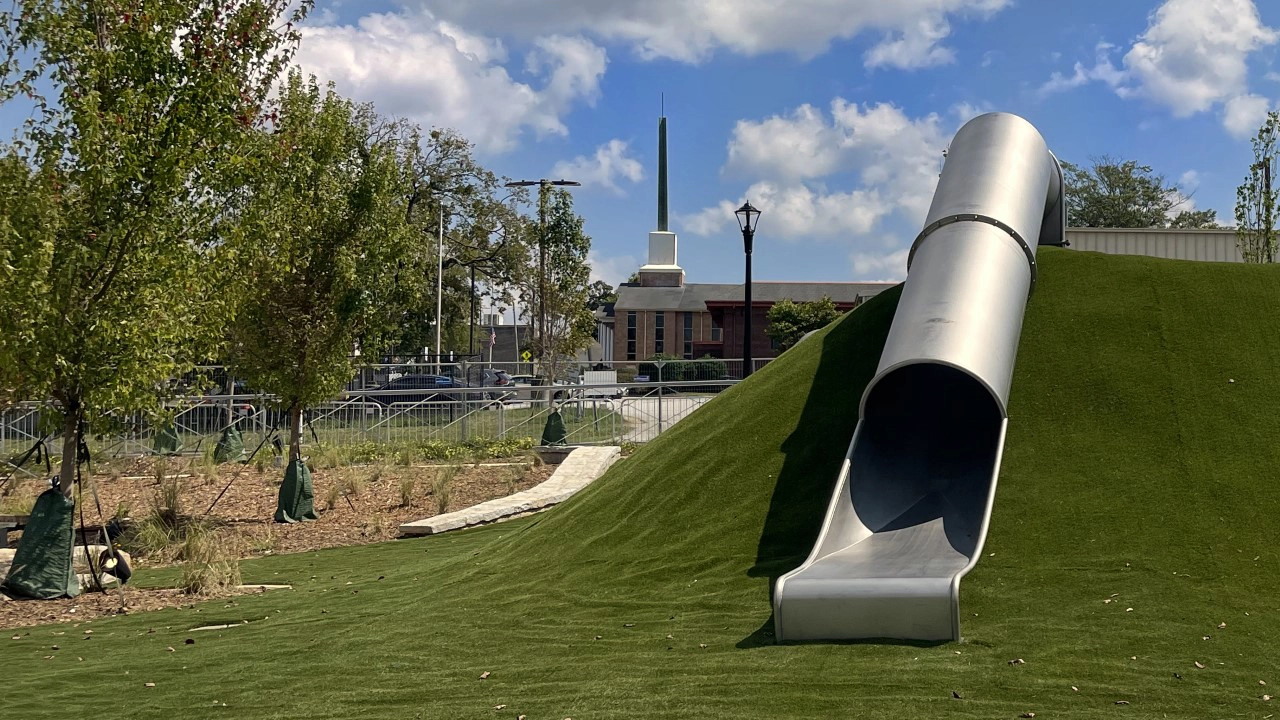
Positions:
(295, 431)
(70, 446)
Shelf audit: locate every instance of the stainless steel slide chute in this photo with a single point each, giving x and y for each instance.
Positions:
(911, 506)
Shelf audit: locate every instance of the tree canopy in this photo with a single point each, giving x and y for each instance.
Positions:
(569, 323)
(324, 246)
(1256, 207)
(113, 192)
(790, 321)
(1127, 194)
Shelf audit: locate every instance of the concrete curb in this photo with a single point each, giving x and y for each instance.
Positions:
(579, 470)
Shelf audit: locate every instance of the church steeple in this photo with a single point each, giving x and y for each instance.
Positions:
(662, 173)
(662, 270)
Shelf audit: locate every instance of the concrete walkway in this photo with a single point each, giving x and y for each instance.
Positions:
(579, 470)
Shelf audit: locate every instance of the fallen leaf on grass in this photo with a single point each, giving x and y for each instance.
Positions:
(955, 695)
(628, 624)
(484, 675)
(1017, 661)
(1266, 697)
(499, 707)
(16, 637)
(55, 647)
(1222, 626)
(1122, 702)
(1199, 664)
(170, 649)
(148, 684)
(702, 645)
(190, 641)
(1075, 689)
(1027, 715)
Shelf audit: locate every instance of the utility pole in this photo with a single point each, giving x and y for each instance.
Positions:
(471, 331)
(439, 285)
(544, 186)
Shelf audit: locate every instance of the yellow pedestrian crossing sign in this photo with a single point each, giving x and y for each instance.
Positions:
(527, 357)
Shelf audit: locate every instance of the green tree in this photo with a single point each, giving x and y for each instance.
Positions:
(599, 294)
(789, 321)
(568, 325)
(323, 242)
(1256, 211)
(112, 212)
(482, 231)
(1125, 194)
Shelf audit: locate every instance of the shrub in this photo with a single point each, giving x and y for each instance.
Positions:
(331, 496)
(407, 486)
(212, 565)
(442, 487)
(361, 453)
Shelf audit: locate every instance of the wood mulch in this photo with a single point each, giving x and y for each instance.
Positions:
(356, 505)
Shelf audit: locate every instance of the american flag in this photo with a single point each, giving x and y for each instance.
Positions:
(493, 337)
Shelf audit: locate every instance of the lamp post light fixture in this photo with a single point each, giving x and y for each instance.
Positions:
(748, 216)
(543, 184)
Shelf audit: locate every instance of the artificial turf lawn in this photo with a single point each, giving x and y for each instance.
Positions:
(1132, 466)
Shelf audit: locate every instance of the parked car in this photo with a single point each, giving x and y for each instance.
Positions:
(417, 389)
(497, 379)
(527, 387)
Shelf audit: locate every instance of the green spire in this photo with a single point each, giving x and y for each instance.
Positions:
(662, 173)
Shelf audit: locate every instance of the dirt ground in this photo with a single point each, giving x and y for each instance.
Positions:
(356, 505)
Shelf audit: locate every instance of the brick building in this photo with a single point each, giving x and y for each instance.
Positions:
(663, 314)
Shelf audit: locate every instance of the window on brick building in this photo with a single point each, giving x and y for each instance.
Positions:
(631, 334)
(688, 336)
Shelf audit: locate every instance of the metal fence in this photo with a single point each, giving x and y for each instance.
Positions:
(598, 413)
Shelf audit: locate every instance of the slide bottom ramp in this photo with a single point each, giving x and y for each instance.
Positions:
(908, 516)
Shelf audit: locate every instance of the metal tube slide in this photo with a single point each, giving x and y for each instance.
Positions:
(913, 500)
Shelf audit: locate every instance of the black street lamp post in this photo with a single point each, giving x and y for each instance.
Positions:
(747, 218)
(543, 184)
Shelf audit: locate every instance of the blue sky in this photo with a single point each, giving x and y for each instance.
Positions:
(830, 115)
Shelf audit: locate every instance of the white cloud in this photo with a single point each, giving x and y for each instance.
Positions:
(692, 30)
(796, 146)
(1244, 114)
(610, 163)
(438, 74)
(1103, 70)
(710, 220)
(1192, 57)
(613, 270)
(916, 46)
(887, 266)
(1189, 181)
(1194, 52)
(965, 111)
(894, 158)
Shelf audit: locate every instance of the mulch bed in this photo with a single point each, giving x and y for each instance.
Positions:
(356, 505)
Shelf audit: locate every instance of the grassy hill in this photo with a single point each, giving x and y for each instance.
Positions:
(1140, 468)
